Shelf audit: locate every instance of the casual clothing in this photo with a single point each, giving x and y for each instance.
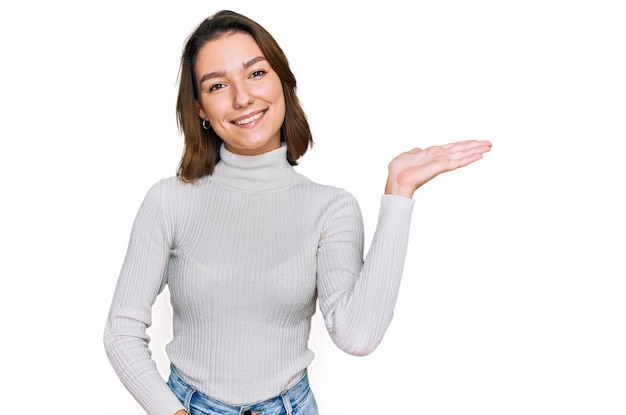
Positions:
(246, 252)
(297, 400)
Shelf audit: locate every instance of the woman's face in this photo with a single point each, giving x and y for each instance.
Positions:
(240, 94)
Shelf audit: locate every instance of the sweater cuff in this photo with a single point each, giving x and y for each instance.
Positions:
(395, 213)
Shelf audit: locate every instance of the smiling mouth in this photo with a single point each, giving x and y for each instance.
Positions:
(249, 119)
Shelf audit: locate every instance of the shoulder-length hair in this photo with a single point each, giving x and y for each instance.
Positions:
(202, 146)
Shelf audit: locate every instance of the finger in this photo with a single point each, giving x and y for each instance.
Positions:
(467, 144)
(457, 143)
(462, 154)
(464, 161)
(466, 151)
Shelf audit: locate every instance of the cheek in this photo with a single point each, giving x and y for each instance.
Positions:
(279, 98)
(281, 103)
(274, 90)
(215, 109)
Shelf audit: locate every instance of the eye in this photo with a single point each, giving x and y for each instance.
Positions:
(216, 87)
(257, 74)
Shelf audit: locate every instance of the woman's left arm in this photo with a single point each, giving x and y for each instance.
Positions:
(357, 297)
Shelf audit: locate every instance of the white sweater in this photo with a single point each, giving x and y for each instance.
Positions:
(245, 253)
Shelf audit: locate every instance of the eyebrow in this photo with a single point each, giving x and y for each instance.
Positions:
(217, 74)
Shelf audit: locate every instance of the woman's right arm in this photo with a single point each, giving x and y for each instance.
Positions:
(142, 278)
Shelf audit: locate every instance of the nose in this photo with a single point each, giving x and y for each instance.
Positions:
(242, 97)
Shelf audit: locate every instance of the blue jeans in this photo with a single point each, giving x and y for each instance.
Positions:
(297, 400)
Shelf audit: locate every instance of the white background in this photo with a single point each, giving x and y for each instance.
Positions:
(513, 298)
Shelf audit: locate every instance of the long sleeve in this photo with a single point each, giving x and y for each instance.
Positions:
(357, 297)
(142, 278)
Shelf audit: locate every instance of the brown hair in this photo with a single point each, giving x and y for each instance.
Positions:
(202, 146)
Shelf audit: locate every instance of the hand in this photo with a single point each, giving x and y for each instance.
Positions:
(410, 170)
(181, 412)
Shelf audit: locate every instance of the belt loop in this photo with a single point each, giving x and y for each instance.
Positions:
(286, 402)
(188, 397)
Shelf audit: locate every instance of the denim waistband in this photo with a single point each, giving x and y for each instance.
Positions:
(283, 403)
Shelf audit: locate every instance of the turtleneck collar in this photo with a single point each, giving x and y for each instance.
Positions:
(264, 172)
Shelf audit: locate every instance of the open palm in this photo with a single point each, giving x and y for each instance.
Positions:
(410, 170)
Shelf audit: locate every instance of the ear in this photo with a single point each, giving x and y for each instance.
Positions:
(200, 111)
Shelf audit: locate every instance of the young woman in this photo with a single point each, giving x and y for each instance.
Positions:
(247, 245)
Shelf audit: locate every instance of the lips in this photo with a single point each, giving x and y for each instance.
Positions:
(249, 118)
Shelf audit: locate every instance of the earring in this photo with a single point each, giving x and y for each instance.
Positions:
(205, 125)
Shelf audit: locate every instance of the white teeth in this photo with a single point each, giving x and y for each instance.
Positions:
(249, 119)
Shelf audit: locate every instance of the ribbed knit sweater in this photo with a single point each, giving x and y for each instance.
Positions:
(246, 252)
